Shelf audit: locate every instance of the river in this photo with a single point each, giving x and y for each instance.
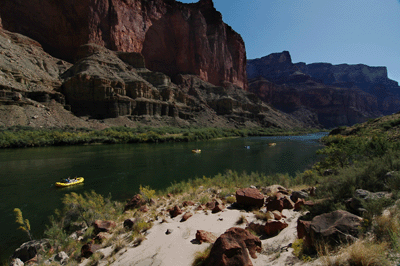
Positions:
(28, 175)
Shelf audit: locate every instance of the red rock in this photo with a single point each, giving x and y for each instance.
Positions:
(250, 197)
(298, 204)
(103, 226)
(175, 211)
(212, 204)
(256, 227)
(233, 248)
(135, 202)
(144, 208)
(173, 37)
(277, 214)
(218, 208)
(199, 208)
(303, 232)
(273, 227)
(129, 222)
(274, 204)
(88, 249)
(186, 216)
(204, 236)
(287, 203)
(187, 203)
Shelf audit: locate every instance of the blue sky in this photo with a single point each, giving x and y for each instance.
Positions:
(332, 31)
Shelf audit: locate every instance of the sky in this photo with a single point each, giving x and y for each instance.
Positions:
(332, 31)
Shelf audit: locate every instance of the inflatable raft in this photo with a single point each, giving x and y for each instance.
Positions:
(73, 181)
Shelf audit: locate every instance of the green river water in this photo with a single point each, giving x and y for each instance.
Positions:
(28, 175)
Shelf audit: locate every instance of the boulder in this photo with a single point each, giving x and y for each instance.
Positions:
(275, 203)
(29, 249)
(175, 211)
(298, 195)
(233, 248)
(88, 249)
(269, 215)
(186, 216)
(103, 226)
(258, 228)
(212, 204)
(367, 195)
(200, 208)
(128, 223)
(204, 236)
(273, 227)
(218, 208)
(303, 232)
(250, 197)
(298, 205)
(354, 205)
(277, 215)
(287, 203)
(16, 262)
(61, 257)
(334, 228)
(135, 202)
(272, 190)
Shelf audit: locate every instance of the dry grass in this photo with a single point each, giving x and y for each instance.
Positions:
(360, 253)
(201, 257)
(265, 216)
(242, 220)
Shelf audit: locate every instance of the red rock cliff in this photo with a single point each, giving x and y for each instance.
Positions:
(173, 37)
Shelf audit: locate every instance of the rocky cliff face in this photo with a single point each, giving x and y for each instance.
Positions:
(373, 80)
(173, 37)
(309, 96)
(108, 88)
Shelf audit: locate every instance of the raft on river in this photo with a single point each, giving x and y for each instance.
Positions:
(72, 182)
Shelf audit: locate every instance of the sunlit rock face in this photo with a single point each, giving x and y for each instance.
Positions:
(173, 37)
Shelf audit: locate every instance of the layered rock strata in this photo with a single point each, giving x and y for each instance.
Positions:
(284, 85)
(41, 90)
(173, 37)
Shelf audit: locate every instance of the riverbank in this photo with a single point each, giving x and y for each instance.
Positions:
(22, 136)
(359, 177)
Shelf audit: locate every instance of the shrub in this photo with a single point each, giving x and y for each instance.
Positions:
(147, 193)
(300, 251)
(201, 257)
(88, 207)
(23, 224)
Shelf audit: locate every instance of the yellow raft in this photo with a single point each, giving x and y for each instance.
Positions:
(196, 151)
(74, 181)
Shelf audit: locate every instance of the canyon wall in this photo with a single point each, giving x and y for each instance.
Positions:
(173, 37)
(322, 93)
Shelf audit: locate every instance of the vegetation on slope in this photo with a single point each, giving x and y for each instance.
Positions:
(19, 136)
